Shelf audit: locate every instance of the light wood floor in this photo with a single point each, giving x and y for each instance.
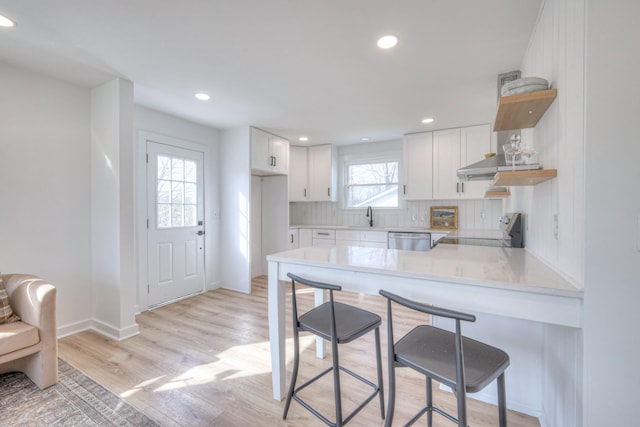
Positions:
(205, 361)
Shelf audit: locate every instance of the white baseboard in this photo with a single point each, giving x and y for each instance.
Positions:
(109, 331)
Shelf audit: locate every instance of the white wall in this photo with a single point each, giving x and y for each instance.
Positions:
(113, 269)
(155, 122)
(612, 257)
(556, 52)
(235, 198)
(45, 186)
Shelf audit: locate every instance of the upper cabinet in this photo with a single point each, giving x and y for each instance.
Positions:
(298, 169)
(269, 153)
(417, 154)
(322, 161)
(453, 149)
(523, 110)
(313, 174)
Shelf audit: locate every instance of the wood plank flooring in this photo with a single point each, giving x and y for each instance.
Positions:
(205, 361)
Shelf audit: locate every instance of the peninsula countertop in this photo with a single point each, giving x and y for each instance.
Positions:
(517, 297)
(511, 269)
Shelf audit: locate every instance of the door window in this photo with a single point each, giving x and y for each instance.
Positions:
(176, 192)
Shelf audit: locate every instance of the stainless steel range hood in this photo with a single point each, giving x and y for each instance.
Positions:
(484, 170)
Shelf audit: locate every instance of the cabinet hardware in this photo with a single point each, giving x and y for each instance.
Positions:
(305, 193)
(323, 234)
(275, 161)
(329, 192)
(200, 232)
(462, 184)
(291, 241)
(404, 189)
(457, 187)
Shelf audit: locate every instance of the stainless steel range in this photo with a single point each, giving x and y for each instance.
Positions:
(512, 234)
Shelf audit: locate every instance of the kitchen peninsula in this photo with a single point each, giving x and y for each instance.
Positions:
(520, 303)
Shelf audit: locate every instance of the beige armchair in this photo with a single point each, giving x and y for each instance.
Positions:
(30, 345)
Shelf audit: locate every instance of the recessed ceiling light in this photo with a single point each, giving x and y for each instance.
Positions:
(6, 22)
(427, 120)
(387, 42)
(303, 139)
(202, 96)
(365, 139)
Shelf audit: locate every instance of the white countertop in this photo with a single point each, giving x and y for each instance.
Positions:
(500, 268)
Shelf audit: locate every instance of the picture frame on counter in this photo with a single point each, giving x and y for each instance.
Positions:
(444, 217)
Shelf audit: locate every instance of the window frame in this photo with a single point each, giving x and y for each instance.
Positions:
(369, 158)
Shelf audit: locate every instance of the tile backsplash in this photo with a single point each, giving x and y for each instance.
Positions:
(472, 214)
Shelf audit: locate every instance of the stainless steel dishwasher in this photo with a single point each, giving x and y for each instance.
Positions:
(410, 240)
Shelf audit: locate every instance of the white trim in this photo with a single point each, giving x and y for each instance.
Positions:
(354, 158)
(102, 328)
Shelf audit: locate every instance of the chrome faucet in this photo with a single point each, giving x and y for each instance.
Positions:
(370, 216)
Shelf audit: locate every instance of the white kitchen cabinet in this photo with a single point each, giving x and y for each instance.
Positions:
(305, 237)
(417, 155)
(322, 162)
(348, 237)
(298, 174)
(294, 238)
(377, 239)
(453, 149)
(475, 142)
(269, 153)
(323, 236)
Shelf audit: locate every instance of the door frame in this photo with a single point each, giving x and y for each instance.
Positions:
(140, 197)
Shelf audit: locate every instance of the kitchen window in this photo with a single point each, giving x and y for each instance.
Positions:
(371, 182)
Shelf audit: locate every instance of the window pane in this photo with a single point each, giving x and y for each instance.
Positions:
(164, 167)
(164, 192)
(164, 216)
(372, 195)
(177, 169)
(177, 218)
(177, 192)
(373, 173)
(190, 195)
(190, 216)
(190, 171)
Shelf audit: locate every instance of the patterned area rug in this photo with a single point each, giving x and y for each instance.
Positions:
(76, 400)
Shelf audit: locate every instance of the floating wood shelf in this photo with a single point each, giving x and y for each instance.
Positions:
(523, 110)
(497, 194)
(516, 178)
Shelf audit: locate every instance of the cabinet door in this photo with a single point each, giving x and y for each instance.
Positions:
(294, 242)
(279, 155)
(321, 182)
(417, 153)
(260, 150)
(475, 142)
(297, 174)
(446, 161)
(305, 237)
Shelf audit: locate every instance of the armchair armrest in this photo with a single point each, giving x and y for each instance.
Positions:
(34, 300)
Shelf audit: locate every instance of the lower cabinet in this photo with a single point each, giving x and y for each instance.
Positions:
(294, 238)
(322, 236)
(373, 239)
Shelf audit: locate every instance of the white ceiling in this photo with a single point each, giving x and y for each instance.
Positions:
(294, 67)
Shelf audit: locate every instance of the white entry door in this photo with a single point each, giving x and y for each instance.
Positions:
(175, 237)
